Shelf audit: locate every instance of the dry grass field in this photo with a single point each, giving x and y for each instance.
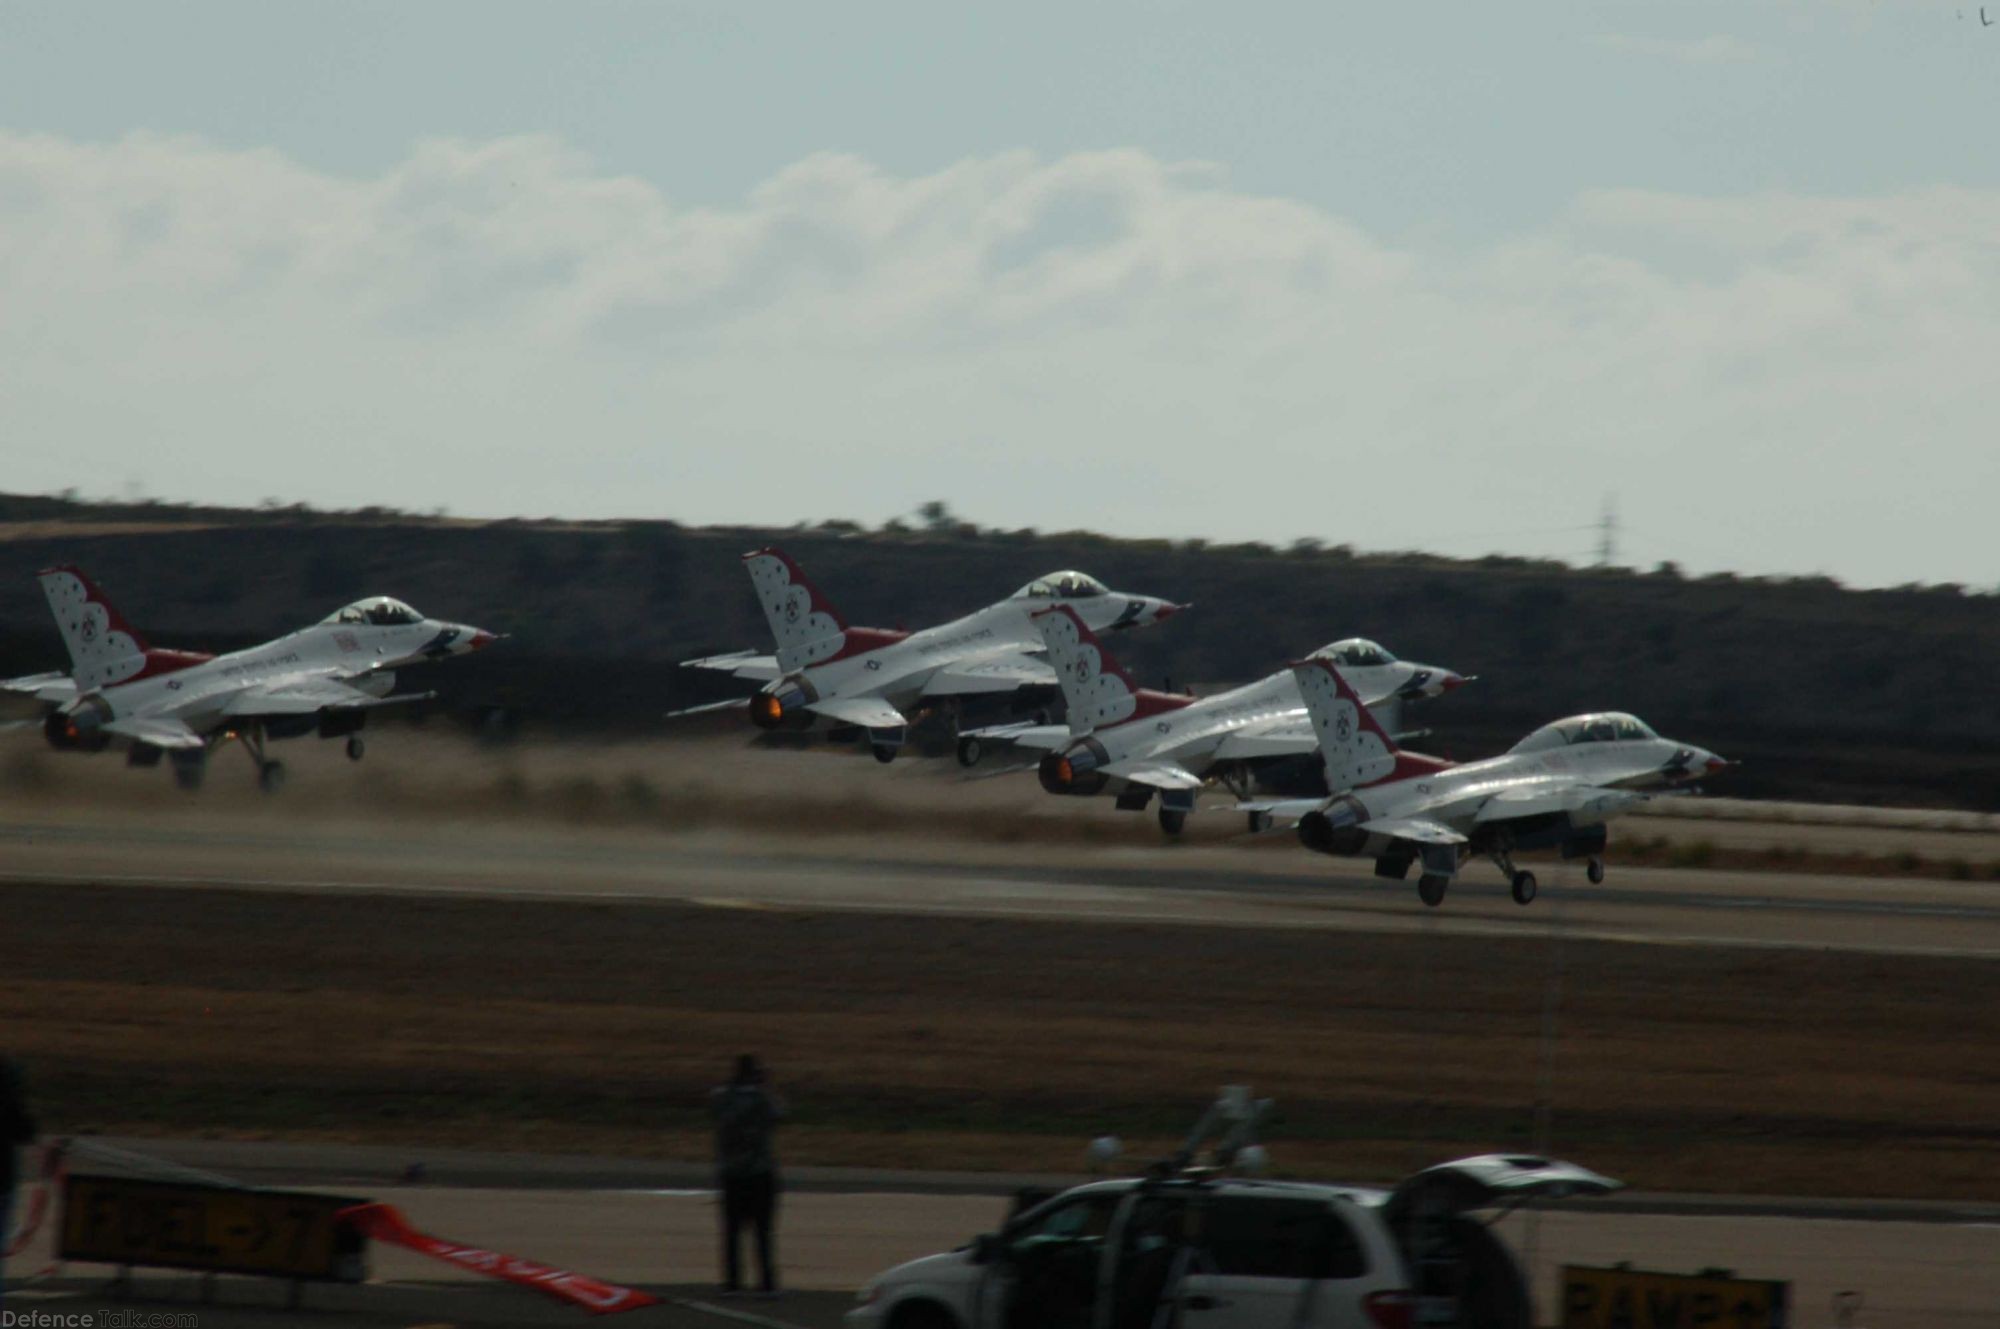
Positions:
(939, 1042)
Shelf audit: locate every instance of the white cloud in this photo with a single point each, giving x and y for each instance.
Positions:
(1100, 340)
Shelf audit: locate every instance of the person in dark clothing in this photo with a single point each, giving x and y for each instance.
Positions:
(16, 1128)
(746, 1115)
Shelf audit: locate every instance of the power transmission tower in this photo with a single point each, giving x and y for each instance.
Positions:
(1607, 533)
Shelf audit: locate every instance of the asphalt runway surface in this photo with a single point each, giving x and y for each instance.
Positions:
(1225, 884)
(1914, 1269)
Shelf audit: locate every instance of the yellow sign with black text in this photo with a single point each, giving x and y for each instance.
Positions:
(1636, 1299)
(278, 1234)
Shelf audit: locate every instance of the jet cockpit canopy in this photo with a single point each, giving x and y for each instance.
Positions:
(1356, 651)
(1065, 585)
(1603, 727)
(377, 611)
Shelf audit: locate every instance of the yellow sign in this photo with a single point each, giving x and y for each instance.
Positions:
(279, 1234)
(1635, 1299)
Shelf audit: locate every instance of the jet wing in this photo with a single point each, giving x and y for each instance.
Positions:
(1151, 771)
(1414, 829)
(868, 712)
(160, 732)
(304, 696)
(1000, 673)
(1024, 733)
(1292, 735)
(53, 689)
(1282, 809)
(747, 665)
(1288, 736)
(1542, 800)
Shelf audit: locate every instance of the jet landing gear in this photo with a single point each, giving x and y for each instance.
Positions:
(1594, 870)
(270, 774)
(1430, 888)
(1521, 884)
(356, 749)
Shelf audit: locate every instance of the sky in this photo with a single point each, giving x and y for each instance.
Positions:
(1393, 276)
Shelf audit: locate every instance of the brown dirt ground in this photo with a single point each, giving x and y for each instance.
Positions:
(715, 776)
(929, 1042)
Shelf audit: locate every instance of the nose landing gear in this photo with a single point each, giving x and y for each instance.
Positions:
(356, 749)
(1595, 870)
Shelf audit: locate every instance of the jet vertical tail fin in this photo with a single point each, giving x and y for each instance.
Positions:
(103, 647)
(1098, 693)
(806, 626)
(1353, 747)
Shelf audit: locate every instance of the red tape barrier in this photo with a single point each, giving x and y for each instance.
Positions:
(38, 1205)
(384, 1222)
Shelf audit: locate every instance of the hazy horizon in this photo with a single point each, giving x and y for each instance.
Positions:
(1392, 279)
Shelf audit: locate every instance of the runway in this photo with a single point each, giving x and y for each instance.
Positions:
(1269, 883)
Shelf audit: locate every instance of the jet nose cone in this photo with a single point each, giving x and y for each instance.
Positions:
(481, 639)
(1450, 682)
(1714, 763)
(1166, 609)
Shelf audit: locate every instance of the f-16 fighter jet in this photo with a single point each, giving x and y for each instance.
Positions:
(826, 671)
(1555, 789)
(1139, 742)
(324, 678)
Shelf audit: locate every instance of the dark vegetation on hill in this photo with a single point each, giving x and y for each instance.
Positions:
(1824, 693)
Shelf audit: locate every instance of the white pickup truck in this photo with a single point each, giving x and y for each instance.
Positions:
(1232, 1253)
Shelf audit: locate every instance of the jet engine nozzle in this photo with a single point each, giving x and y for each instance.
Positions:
(782, 705)
(1316, 832)
(78, 728)
(1332, 832)
(1075, 769)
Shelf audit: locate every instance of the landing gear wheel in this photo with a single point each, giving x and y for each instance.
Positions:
(188, 774)
(1595, 871)
(883, 753)
(271, 776)
(1524, 887)
(1430, 889)
(970, 750)
(356, 749)
(1172, 820)
(1260, 822)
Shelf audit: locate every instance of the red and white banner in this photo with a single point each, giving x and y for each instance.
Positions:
(384, 1222)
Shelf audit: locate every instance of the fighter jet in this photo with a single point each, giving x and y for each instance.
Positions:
(1139, 742)
(1555, 789)
(826, 671)
(325, 678)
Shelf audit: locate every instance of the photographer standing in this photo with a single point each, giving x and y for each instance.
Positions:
(746, 1116)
